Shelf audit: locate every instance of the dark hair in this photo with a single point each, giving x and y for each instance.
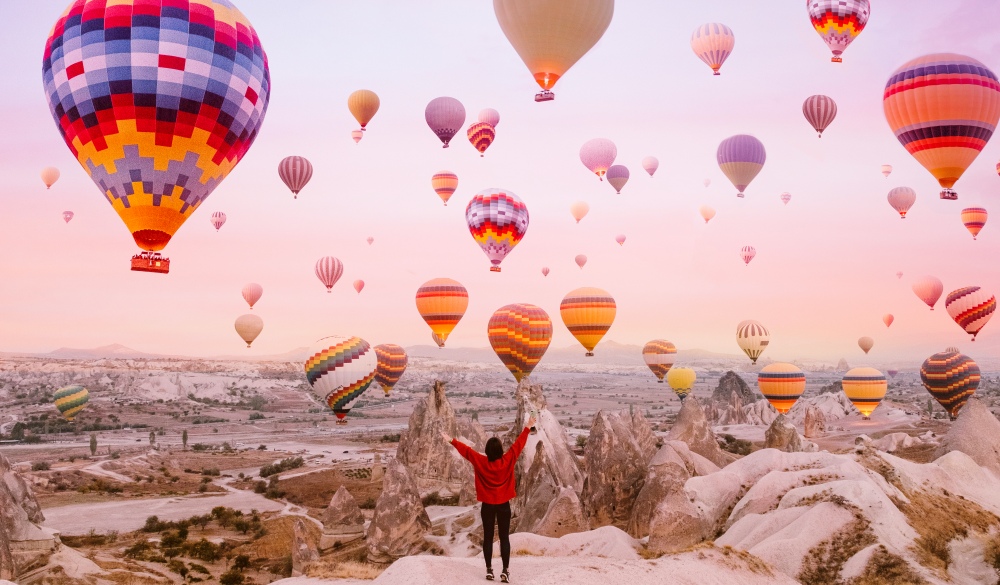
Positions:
(494, 449)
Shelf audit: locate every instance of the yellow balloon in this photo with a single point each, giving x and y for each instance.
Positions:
(865, 388)
(681, 380)
(588, 314)
(363, 105)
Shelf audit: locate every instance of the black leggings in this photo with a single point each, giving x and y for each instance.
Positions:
(499, 514)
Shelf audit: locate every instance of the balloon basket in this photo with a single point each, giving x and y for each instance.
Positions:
(589, 354)
(716, 72)
(150, 262)
(545, 96)
(341, 421)
(740, 195)
(494, 269)
(836, 60)
(949, 195)
(659, 381)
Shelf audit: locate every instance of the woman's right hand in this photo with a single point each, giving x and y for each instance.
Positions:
(531, 421)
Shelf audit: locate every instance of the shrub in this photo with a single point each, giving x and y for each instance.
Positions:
(256, 416)
(231, 577)
(393, 438)
(283, 465)
(40, 466)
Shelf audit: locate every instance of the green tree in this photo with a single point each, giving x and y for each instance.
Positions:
(93, 444)
(152, 438)
(184, 439)
(17, 431)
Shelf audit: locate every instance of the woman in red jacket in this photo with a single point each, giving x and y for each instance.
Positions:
(495, 489)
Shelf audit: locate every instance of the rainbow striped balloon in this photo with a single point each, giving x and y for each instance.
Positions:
(659, 355)
(865, 388)
(392, 362)
(951, 378)
(497, 220)
(339, 370)
(444, 184)
(588, 314)
(442, 303)
(974, 219)
(481, 135)
(971, 307)
(782, 385)
(520, 334)
(70, 400)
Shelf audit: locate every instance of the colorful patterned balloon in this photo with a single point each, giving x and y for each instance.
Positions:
(598, 155)
(682, 381)
(444, 184)
(218, 220)
(951, 378)
(67, 215)
(339, 370)
(252, 293)
(442, 303)
(328, 271)
(520, 334)
(659, 355)
(974, 218)
(782, 385)
(928, 289)
(363, 105)
(481, 136)
(157, 100)
(248, 327)
(747, 253)
(70, 400)
(588, 314)
(497, 220)
(392, 362)
(713, 43)
(445, 117)
(838, 22)
(752, 337)
(865, 388)
(943, 109)
(902, 199)
(971, 307)
(819, 110)
(295, 172)
(866, 344)
(617, 177)
(741, 157)
(650, 164)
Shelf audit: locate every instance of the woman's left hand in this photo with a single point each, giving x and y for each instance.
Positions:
(446, 437)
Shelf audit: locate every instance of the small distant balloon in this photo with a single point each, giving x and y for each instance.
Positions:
(370, 240)
(67, 215)
(70, 400)
(617, 177)
(580, 260)
(928, 289)
(620, 238)
(892, 373)
(706, 183)
(392, 360)
(363, 105)
(444, 184)
(359, 285)
(545, 270)
(218, 219)
(899, 275)
(747, 253)
(441, 303)
(782, 384)
(971, 308)
(445, 117)
(249, 327)
(713, 43)
(902, 199)
(598, 155)
(252, 293)
(481, 135)
(329, 271)
(886, 171)
(357, 135)
(866, 344)
(579, 210)
(650, 164)
(295, 172)
(707, 213)
(753, 338)
(49, 176)
(974, 218)
(489, 116)
(888, 319)
(819, 110)
(659, 355)
(588, 313)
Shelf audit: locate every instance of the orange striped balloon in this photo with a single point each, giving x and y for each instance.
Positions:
(865, 388)
(392, 362)
(481, 135)
(659, 355)
(444, 184)
(951, 378)
(971, 307)
(974, 219)
(782, 385)
(520, 334)
(588, 314)
(442, 303)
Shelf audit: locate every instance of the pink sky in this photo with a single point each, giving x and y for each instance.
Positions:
(825, 268)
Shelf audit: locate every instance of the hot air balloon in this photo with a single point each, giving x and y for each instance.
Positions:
(786, 197)
(249, 327)
(391, 363)
(497, 220)
(747, 253)
(545, 270)
(67, 215)
(819, 110)
(899, 275)
(617, 177)
(444, 184)
(252, 293)
(437, 339)
(359, 285)
(971, 307)
(865, 388)
(295, 172)
(620, 238)
(339, 370)
(588, 314)
(49, 176)
(974, 219)
(442, 302)
(659, 355)
(481, 136)
(328, 271)
(782, 385)
(520, 334)
(706, 183)
(892, 373)
(580, 260)
(370, 240)
(943, 109)
(70, 400)
(445, 116)
(550, 36)
(579, 210)
(741, 157)
(951, 378)
(866, 343)
(902, 199)
(838, 22)
(363, 105)
(952, 349)
(707, 213)
(650, 164)
(886, 170)
(158, 109)
(598, 155)
(752, 338)
(713, 43)
(357, 135)
(218, 219)
(888, 319)
(489, 116)
(928, 289)
(681, 380)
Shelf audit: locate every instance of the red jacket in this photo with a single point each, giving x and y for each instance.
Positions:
(494, 479)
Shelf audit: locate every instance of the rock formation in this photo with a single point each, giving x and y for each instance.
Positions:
(814, 424)
(615, 470)
(22, 540)
(668, 471)
(643, 434)
(783, 436)
(692, 427)
(976, 432)
(343, 520)
(400, 522)
(378, 470)
(547, 506)
(304, 550)
(731, 383)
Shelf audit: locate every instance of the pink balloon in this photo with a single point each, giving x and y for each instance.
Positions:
(581, 260)
(545, 271)
(329, 271)
(620, 239)
(928, 289)
(358, 285)
(252, 293)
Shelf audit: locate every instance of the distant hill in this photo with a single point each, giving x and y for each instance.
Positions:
(607, 353)
(115, 350)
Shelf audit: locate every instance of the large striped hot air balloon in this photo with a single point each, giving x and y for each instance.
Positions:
(752, 338)
(588, 314)
(550, 36)
(252, 293)
(70, 400)
(444, 184)
(617, 177)
(248, 327)
(974, 218)
(741, 157)
(481, 135)
(713, 43)
(340, 369)
(392, 362)
(865, 388)
(363, 105)
(328, 271)
(442, 303)
(819, 110)
(598, 155)
(838, 22)
(520, 334)
(681, 380)
(951, 378)
(866, 344)
(445, 117)
(928, 289)
(659, 355)
(295, 172)
(943, 109)
(782, 385)
(218, 220)
(497, 220)
(971, 307)
(158, 101)
(902, 199)
(650, 164)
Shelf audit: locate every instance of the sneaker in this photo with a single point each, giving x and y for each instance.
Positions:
(489, 574)
(505, 576)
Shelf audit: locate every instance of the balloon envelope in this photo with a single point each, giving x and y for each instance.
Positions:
(489, 116)
(359, 285)
(741, 157)
(520, 334)
(659, 356)
(928, 289)
(218, 219)
(620, 238)
(580, 260)
(391, 363)
(248, 327)
(579, 210)
(598, 155)
(445, 117)
(545, 271)
(681, 380)
(588, 314)
(706, 212)
(888, 319)
(49, 176)
(838, 22)
(752, 337)
(363, 105)
(252, 293)
(951, 378)
(444, 184)
(865, 388)
(497, 220)
(902, 199)
(357, 135)
(481, 136)
(295, 172)
(441, 303)
(781, 384)
(886, 170)
(786, 197)
(971, 307)
(974, 218)
(340, 369)
(747, 254)
(67, 215)
(650, 164)
(866, 343)
(328, 271)
(617, 177)
(819, 110)
(713, 43)
(70, 400)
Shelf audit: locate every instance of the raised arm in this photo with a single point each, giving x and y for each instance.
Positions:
(463, 449)
(522, 439)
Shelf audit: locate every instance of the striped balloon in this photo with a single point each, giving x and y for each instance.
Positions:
(838, 22)
(218, 219)
(617, 177)
(445, 117)
(497, 220)
(588, 314)
(752, 337)
(786, 197)
(248, 327)
(70, 400)
(545, 270)
(437, 340)
(295, 171)
(747, 253)
(819, 110)
(650, 164)
(357, 135)
(442, 303)
(252, 293)
(713, 43)
(928, 289)
(392, 362)
(971, 307)
(866, 344)
(598, 155)
(481, 136)
(974, 219)
(682, 381)
(865, 388)
(741, 157)
(340, 369)
(782, 385)
(444, 184)
(329, 271)
(520, 334)
(902, 199)
(67, 215)
(659, 355)
(951, 378)
(943, 109)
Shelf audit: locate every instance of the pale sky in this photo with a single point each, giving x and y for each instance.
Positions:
(825, 268)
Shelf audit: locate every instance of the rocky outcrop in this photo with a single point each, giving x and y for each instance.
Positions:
(378, 470)
(733, 412)
(304, 551)
(400, 522)
(976, 432)
(783, 436)
(343, 520)
(548, 507)
(814, 424)
(731, 383)
(668, 471)
(22, 540)
(615, 468)
(692, 427)
(642, 432)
